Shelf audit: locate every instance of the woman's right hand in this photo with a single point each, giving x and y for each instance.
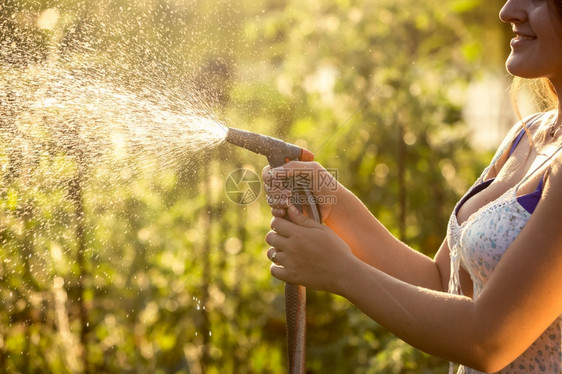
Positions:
(280, 182)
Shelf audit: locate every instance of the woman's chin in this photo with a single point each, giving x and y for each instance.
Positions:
(521, 69)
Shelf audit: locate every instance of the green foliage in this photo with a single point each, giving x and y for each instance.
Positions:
(131, 266)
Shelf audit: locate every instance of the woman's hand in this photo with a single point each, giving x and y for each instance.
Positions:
(307, 253)
(281, 181)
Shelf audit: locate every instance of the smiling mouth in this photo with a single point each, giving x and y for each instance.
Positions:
(524, 37)
(521, 40)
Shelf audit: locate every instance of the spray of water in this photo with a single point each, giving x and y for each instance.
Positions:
(104, 85)
(61, 108)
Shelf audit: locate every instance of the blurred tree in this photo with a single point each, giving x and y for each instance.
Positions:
(171, 273)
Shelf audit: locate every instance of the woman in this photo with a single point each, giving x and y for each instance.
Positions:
(491, 299)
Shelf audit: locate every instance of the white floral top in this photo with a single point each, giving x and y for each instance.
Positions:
(478, 245)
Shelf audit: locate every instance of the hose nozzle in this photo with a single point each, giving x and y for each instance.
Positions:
(277, 151)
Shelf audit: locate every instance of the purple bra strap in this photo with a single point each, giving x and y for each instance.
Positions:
(527, 125)
(529, 201)
(516, 141)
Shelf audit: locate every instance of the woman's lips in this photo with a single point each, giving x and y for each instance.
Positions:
(521, 39)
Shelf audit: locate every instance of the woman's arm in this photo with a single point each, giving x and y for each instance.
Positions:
(521, 299)
(368, 238)
(372, 243)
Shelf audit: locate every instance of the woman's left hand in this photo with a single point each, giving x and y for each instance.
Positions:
(307, 253)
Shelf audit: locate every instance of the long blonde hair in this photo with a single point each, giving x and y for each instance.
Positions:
(544, 97)
(541, 89)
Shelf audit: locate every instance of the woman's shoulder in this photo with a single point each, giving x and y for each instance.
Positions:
(530, 122)
(502, 153)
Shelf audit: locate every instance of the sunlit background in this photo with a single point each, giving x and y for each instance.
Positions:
(120, 249)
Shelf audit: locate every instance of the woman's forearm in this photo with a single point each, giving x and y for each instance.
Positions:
(373, 243)
(438, 323)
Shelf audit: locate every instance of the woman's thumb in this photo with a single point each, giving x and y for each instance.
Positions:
(298, 218)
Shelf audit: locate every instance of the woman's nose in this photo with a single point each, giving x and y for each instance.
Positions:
(513, 11)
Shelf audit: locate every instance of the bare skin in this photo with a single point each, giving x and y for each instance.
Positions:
(353, 252)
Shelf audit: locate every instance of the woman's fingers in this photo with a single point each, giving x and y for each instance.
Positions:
(283, 226)
(275, 255)
(278, 199)
(278, 212)
(279, 272)
(298, 218)
(276, 186)
(276, 240)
